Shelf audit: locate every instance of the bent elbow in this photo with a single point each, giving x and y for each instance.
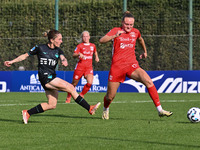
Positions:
(100, 41)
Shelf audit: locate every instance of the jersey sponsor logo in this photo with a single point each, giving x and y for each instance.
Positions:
(122, 39)
(88, 57)
(87, 53)
(3, 86)
(45, 61)
(123, 45)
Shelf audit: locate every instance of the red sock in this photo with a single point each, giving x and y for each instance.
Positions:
(68, 95)
(154, 95)
(86, 88)
(106, 102)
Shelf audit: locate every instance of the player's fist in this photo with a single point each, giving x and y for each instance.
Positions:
(7, 63)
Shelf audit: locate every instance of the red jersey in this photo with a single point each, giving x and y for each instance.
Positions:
(87, 50)
(124, 46)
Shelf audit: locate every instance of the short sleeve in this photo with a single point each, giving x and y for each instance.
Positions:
(95, 49)
(112, 32)
(77, 49)
(61, 52)
(139, 34)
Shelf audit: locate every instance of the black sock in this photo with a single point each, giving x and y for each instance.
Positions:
(80, 100)
(35, 110)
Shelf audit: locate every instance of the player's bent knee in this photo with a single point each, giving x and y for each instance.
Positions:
(52, 106)
(71, 88)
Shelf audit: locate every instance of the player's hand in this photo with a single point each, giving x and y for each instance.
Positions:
(82, 56)
(97, 59)
(7, 63)
(144, 55)
(119, 33)
(65, 63)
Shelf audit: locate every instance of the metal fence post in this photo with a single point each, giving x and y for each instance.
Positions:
(190, 35)
(56, 19)
(125, 6)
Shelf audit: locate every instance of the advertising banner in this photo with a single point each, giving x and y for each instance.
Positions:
(100, 81)
(5, 81)
(165, 82)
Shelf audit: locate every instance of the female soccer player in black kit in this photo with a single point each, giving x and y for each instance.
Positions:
(48, 56)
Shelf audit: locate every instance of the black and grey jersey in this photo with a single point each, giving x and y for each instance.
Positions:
(47, 58)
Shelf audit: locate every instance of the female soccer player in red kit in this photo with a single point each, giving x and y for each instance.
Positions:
(124, 63)
(84, 51)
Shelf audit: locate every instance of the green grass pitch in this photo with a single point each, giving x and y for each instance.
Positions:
(133, 124)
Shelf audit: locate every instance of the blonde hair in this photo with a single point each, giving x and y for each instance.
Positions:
(80, 40)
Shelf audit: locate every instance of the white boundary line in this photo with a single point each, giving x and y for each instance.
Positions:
(115, 102)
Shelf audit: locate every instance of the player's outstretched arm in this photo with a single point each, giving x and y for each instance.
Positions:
(18, 59)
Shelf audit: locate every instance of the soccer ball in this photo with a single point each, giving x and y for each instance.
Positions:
(193, 114)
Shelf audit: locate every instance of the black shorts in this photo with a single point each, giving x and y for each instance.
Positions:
(44, 79)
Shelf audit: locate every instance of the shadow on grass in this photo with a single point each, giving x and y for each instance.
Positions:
(68, 116)
(19, 121)
(146, 142)
(9, 120)
(16, 121)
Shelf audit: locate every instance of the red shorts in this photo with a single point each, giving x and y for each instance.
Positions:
(118, 73)
(79, 73)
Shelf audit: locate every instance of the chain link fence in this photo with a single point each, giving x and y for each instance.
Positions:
(164, 25)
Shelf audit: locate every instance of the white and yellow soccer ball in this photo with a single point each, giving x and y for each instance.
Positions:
(193, 114)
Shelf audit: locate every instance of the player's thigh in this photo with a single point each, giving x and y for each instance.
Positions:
(140, 75)
(89, 78)
(61, 85)
(78, 74)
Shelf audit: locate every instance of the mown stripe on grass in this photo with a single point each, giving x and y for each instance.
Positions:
(114, 102)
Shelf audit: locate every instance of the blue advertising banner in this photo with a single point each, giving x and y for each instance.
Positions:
(100, 82)
(165, 82)
(5, 81)
(28, 81)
